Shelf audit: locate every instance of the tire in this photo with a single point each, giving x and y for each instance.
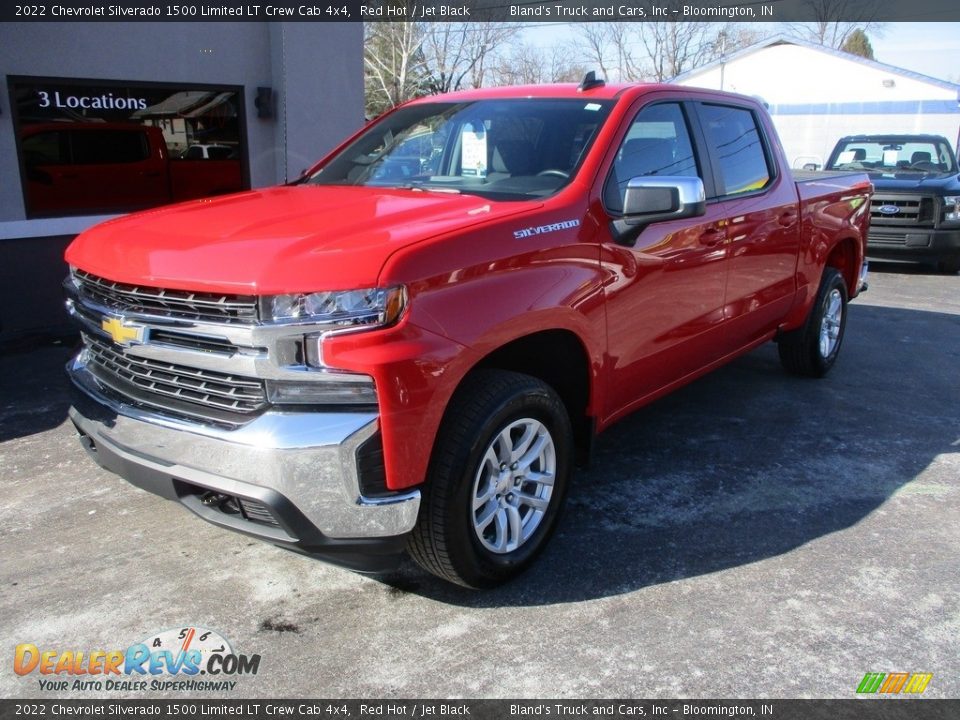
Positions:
(813, 349)
(949, 265)
(481, 524)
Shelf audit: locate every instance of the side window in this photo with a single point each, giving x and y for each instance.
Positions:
(95, 147)
(657, 143)
(733, 134)
(45, 148)
(219, 152)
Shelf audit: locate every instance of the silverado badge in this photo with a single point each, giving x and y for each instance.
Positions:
(125, 334)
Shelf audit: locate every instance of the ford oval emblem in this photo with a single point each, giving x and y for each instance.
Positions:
(889, 209)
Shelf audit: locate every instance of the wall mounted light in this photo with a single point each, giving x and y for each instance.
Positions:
(264, 102)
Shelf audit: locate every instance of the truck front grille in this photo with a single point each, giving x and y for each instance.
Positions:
(139, 299)
(915, 210)
(182, 390)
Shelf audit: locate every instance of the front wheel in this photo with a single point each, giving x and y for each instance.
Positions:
(813, 349)
(497, 480)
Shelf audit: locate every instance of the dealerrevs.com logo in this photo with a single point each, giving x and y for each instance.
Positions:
(894, 683)
(183, 659)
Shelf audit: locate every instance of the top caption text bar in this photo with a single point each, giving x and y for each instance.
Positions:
(485, 11)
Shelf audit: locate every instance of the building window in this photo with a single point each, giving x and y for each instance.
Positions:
(91, 147)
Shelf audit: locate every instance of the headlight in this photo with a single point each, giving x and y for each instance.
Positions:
(340, 309)
(321, 313)
(951, 208)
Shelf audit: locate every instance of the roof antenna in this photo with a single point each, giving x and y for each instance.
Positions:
(589, 82)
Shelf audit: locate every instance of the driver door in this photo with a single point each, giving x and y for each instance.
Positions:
(664, 289)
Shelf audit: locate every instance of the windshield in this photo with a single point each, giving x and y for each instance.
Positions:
(501, 149)
(885, 155)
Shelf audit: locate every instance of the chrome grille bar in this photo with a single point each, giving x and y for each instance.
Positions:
(190, 385)
(910, 209)
(240, 309)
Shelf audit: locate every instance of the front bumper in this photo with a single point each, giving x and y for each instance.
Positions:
(900, 242)
(286, 477)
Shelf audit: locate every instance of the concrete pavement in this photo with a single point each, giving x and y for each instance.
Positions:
(752, 535)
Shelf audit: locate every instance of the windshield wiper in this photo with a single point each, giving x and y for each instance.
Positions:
(429, 188)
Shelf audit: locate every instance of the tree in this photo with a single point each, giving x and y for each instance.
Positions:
(394, 67)
(824, 30)
(594, 44)
(675, 47)
(857, 43)
(658, 51)
(529, 65)
(457, 55)
(404, 60)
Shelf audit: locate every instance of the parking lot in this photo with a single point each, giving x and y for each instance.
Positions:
(752, 535)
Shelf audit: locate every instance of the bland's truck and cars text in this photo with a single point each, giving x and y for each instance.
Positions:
(410, 347)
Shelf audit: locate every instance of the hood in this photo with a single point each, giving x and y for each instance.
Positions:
(299, 238)
(915, 181)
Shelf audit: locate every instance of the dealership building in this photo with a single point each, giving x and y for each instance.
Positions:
(816, 95)
(99, 119)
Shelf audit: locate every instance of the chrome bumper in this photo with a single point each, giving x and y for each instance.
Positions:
(301, 466)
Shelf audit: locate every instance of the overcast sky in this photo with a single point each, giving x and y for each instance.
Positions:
(931, 48)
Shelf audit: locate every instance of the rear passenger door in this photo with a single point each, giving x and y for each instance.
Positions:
(761, 227)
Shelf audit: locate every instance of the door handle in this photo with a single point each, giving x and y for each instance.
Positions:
(713, 236)
(153, 173)
(788, 218)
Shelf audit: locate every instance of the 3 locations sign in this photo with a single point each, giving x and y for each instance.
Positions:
(88, 146)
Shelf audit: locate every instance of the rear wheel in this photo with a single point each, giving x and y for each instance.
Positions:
(813, 349)
(497, 480)
(949, 265)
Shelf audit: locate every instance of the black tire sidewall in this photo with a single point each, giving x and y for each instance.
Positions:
(949, 265)
(832, 280)
(473, 561)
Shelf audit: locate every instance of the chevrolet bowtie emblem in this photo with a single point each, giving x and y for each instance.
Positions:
(124, 334)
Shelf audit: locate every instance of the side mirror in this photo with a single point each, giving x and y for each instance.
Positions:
(811, 166)
(651, 199)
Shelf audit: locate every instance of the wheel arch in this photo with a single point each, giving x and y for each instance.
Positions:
(559, 358)
(844, 257)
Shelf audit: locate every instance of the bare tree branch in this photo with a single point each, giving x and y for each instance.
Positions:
(394, 67)
(658, 51)
(831, 33)
(456, 54)
(529, 65)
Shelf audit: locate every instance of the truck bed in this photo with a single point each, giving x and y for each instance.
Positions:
(830, 184)
(805, 176)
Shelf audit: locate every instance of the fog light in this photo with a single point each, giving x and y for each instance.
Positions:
(351, 390)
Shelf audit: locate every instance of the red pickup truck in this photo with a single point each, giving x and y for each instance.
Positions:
(114, 167)
(410, 347)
